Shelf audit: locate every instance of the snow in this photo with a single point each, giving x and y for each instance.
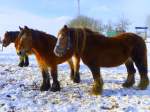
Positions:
(19, 89)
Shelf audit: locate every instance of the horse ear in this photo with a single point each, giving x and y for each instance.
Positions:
(20, 28)
(65, 26)
(26, 27)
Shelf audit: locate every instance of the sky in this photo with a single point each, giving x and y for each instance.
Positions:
(51, 15)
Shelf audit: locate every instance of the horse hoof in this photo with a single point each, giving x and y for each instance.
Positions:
(55, 87)
(143, 85)
(71, 77)
(45, 88)
(20, 65)
(127, 84)
(76, 79)
(26, 64)
(96, 91)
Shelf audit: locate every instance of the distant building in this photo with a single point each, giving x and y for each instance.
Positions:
(0, 40)
(114, 33)
(142, 31)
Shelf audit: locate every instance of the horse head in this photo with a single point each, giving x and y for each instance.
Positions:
(63, 42)
(7, 40)
(24, 41)
(9, 37)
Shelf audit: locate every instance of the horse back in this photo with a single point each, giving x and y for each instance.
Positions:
(108, 52)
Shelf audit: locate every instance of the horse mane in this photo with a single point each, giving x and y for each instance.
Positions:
(89, 32)
(13, 34)
(42, 34)
(94, 33)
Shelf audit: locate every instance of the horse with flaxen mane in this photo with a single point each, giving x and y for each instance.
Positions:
(97, 51)
(11, 37)
(42, 45)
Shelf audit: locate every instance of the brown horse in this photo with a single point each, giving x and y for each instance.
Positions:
(98, 51)
(11, 37)
(42, 45)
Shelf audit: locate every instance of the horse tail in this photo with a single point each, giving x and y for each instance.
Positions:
(140, 59)
(139, 55)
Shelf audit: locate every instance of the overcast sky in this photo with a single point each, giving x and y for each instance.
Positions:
(51, 15)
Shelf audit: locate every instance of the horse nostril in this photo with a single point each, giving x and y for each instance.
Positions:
(59, 51)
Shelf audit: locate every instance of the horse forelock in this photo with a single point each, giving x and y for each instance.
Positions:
(38, 33)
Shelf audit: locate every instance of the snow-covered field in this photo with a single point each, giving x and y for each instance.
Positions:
(19, 89)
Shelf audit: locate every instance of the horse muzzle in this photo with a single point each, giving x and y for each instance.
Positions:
(59, 51)
(4, 44)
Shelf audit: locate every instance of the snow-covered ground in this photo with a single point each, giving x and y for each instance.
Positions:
(19, 89)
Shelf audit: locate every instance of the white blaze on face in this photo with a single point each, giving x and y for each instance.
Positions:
(23, 36)
(60, 46)
(25, 43)
(58, 40)
(62, 41)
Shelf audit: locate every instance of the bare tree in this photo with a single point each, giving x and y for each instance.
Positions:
(86, 22)
(148, 21)
(78, 7)
(109, 26)
(123, 24)
(0, 40)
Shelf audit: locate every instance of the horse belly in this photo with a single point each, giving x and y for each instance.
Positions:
(109, 61)
(106, 59)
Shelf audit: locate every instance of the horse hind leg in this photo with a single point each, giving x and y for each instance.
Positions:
(142, 68)
(140, 59)
(131, 73)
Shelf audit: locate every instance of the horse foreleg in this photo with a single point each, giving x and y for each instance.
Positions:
(76, 63)
(131, 71)
(55, 85)
(71, 69)
(21, 61)
(26, 61)
(98, 81)
(46, 80)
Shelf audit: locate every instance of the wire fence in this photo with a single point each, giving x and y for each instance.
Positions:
(1, 44)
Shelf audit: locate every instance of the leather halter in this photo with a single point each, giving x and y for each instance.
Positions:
(69, 39)
(77, 36)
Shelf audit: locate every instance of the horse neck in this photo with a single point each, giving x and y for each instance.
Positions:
(79, 40)
(43, 41)
(83, 39)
